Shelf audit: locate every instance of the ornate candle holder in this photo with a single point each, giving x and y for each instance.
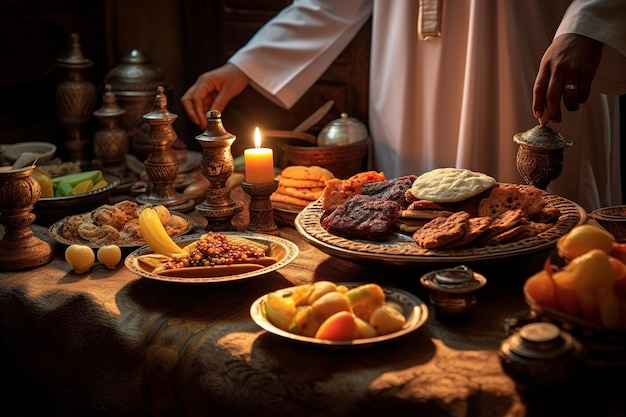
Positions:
(75, 100)
(217, 166)
(110, 143)
(261, 211)
(19, 247)
(540, 155)
(161, 164)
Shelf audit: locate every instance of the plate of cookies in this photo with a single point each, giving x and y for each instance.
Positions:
(447, 215)
(116, 224)
(298, 186)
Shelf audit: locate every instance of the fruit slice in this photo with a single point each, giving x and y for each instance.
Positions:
(338, 327)
(83, 187)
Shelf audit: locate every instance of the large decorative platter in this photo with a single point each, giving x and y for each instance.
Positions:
(402, 250)
(284, 250)
(414, 309)
(56, 232)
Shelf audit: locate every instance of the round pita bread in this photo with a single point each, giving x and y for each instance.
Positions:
(449, 185)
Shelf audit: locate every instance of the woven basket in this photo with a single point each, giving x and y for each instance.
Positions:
(343, 161)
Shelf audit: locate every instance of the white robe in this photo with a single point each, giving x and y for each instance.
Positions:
(456, 100)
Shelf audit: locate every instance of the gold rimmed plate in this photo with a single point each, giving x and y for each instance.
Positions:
(283, 250)
(402, 250)
(414, 309)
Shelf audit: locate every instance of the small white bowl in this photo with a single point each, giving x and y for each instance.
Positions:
(44, 150)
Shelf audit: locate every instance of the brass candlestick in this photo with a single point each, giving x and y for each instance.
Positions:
(110, 143)
(540, 155)
(19, 247)
(261, 211)
(161, 164)
(75, 100)
(217, 166)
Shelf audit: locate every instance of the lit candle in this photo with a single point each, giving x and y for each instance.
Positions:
(259, 162)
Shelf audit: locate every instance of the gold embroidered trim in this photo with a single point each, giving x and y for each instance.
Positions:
(429, 19)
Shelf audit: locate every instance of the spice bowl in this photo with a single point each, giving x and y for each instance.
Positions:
(613, 219)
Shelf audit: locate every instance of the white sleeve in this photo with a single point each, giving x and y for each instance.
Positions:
(288, 54)
(605, 21)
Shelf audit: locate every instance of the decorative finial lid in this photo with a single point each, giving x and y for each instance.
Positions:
(73, 56)
(109, 107)
(160, 111)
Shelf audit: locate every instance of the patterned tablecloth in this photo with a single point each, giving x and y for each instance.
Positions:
(110, 343)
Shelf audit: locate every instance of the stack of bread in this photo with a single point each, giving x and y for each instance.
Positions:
(299, 185)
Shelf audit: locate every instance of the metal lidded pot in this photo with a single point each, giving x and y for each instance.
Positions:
(343, 131)
(540, 355)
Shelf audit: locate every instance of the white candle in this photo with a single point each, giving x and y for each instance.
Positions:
(259, 162)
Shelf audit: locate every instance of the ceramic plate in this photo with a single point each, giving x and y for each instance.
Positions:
(56, 232)
(401, 249)
(414, 309)
(284, 250)
(51, 209)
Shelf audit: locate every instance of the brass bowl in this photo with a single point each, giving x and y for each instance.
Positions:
(613, 219)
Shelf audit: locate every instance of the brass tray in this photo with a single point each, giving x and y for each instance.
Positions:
(284, 250)
(402, 250)
(414, 309)
(56, 232)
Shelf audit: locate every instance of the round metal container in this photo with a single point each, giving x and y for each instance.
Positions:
(343, 131)
(540, 355)
(453, 290)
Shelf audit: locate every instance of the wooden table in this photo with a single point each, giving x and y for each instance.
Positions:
(110, 343)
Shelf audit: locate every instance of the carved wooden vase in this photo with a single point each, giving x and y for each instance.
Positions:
(19, 247)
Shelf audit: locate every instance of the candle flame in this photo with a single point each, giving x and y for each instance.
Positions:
(257, 138)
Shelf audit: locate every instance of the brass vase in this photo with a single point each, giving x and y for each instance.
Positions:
(217, 166)
(75, 100)
(135, 81)
(162, 164)
(110, 143)
(19, 247)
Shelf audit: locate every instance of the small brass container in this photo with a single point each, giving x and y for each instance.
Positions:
(540, 155)
(453, 290)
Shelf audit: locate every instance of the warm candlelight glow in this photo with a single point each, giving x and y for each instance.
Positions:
(259, 162)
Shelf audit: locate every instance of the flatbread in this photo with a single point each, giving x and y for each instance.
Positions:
(310, 194)
(448, 185)
(284, 198)
(301, 172)
(292, 182)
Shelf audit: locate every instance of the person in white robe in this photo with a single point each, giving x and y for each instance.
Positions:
(451, 88)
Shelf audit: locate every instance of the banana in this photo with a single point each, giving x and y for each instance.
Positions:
(156, 236)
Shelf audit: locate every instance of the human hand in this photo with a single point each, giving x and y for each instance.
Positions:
(567, 69)
(212, 91)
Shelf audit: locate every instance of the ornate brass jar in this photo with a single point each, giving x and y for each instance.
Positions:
(135, 81)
